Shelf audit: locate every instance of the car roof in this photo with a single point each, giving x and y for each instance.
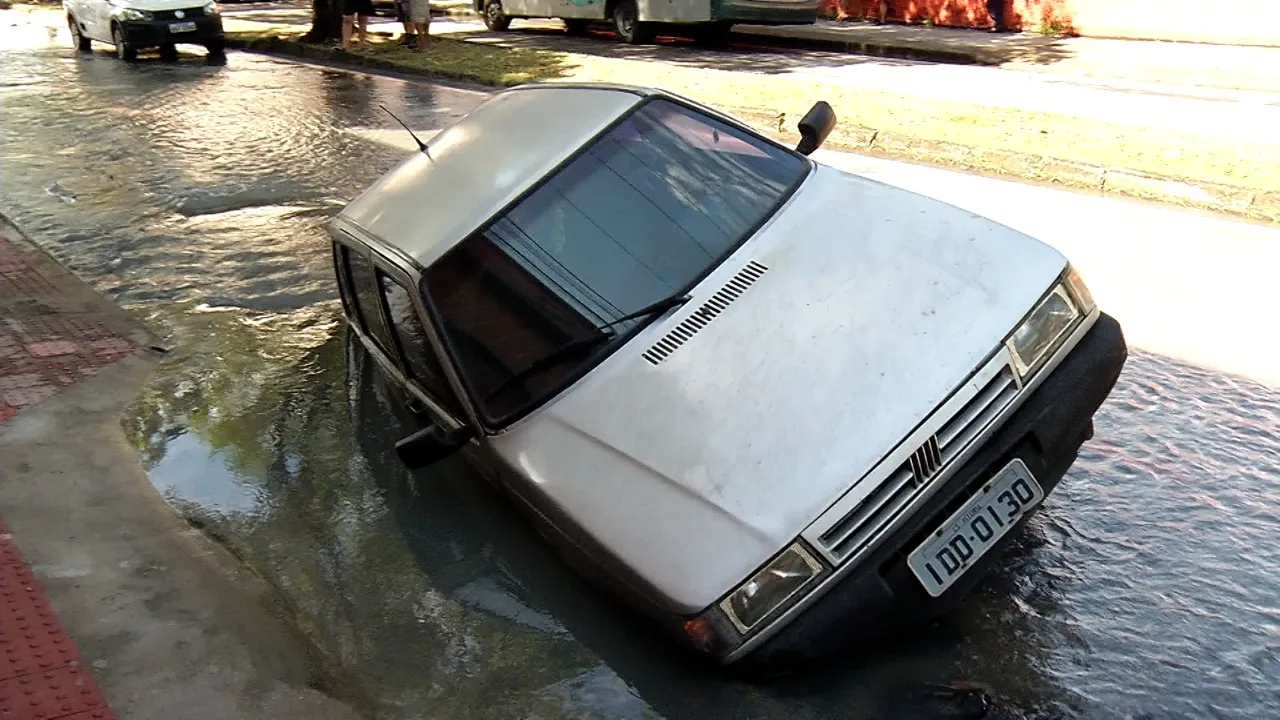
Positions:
(479, 165)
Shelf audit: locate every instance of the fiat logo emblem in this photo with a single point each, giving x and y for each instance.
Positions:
(179, 14)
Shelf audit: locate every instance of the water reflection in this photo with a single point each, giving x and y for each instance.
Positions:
(187, 473)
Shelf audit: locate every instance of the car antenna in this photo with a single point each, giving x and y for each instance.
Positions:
(421, 145)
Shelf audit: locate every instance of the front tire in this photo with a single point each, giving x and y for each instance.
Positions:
(217, 48)
(124, 50)
(626, 23)
(494, 18)
(81, 43)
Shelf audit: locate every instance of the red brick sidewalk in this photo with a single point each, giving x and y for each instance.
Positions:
(43, 350)
(42, 676)
(45, 345)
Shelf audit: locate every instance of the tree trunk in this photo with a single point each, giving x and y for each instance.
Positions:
(326, 21)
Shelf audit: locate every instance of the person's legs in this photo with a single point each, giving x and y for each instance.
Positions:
(350, 8)
(362, 27)
(420, 14)
(402, 14)
(348, 24)
(995, 8)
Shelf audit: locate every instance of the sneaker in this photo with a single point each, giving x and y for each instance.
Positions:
(409, 40)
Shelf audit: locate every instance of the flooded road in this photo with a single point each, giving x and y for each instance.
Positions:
(194, 195)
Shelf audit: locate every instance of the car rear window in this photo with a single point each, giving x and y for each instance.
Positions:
(647, 210)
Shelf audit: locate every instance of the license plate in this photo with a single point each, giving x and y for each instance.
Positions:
(182, 27)
(973, 529)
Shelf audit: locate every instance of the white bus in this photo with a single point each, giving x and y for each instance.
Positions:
(637, 21)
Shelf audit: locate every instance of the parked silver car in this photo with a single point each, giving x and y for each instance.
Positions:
(778, 407)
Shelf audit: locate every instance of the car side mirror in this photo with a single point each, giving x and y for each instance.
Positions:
(431, 445)
(815, 126)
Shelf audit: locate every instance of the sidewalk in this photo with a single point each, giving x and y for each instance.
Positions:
(110, 589)
(41, 673)
(1139, 61)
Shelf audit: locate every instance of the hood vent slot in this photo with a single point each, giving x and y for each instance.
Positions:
(680, 334)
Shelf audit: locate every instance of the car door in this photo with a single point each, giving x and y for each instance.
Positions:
(424, 373)
(377, 299)
(528, 8)
(585, 9)
(79, 10)
(96, 18)
(358, 280)
(101, 11)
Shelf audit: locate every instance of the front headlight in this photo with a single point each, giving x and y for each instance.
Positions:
(211, 8)
(1043, 331)
(134, 14)
(771, 588)
(1079, 291)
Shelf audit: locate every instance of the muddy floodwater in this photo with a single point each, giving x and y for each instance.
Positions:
(195, 196)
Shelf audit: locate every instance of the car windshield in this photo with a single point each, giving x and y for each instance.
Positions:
(647, 210)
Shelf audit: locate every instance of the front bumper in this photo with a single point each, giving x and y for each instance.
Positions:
(881, 596)
(151, 33)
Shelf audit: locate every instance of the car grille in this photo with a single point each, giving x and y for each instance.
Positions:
(878, 510)
(187, 14)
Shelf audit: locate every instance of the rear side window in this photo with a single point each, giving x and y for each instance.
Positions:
(364, 291)
(344, 279)
(419, 357)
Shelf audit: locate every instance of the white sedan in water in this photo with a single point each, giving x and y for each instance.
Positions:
(133, 25)
(779, 407)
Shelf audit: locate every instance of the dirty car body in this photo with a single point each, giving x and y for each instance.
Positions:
(780, 408)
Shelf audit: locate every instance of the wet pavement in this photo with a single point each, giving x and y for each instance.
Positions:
(195, 196)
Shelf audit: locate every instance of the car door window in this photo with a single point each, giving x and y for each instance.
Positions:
(344, 279)
(367, 299)
(419, 357)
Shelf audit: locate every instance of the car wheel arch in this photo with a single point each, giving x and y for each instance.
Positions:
(78, 36)
(499, 22)
(124, 50)
(641, 32)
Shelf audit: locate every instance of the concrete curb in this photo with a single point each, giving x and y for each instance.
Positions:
(337, 56)
(123, 322)
(171, 623)
(1240, 202)
(1247, 203)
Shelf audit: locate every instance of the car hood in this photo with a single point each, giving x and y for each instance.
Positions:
(154, 5)
(689, 474)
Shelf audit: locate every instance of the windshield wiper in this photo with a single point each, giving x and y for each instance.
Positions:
(585, 342)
